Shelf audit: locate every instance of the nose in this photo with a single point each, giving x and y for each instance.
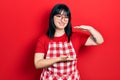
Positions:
(62, 19)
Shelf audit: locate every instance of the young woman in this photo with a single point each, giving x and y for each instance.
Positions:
(56, 52)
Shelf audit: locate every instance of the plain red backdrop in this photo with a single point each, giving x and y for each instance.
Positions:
(23, 21)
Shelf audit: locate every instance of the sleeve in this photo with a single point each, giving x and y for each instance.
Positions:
(40, 46)
(83, 37)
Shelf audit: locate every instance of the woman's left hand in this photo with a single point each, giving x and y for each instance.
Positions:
(84, 27)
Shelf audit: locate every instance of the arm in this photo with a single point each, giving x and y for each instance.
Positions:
(40, 62)
(95, 36)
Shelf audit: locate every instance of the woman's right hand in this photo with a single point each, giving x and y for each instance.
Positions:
(66, 58)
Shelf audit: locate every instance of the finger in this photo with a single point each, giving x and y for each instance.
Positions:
(70, 59)
(79, 26)
(76, 27)
(63, 57)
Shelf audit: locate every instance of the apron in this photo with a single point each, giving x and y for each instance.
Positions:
(62, 70)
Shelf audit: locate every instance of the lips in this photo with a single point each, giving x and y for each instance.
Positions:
(61, 23)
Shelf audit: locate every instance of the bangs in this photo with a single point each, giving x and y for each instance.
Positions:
(59, 11)
(66, 12)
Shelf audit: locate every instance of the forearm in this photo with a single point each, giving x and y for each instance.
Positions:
(42, 63)
(97, 37)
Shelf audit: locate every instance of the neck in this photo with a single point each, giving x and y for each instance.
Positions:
(59, 32)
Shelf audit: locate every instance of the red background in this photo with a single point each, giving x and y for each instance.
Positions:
(23, 21)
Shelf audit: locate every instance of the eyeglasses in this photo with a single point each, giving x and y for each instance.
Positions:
(59, 16)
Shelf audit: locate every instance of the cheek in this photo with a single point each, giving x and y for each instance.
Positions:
(55, 21)
(66, 22)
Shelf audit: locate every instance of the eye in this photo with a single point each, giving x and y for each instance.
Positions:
(66, 16)
(58, 15)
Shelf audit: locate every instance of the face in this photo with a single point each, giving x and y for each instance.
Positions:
(61, 20)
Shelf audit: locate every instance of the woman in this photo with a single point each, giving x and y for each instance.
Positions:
(56, 51)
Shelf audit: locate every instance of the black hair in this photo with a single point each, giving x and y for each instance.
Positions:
(57, 10)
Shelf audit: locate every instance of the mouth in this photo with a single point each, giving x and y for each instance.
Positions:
(61, 23)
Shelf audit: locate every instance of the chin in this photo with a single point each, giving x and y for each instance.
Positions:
(62, 27)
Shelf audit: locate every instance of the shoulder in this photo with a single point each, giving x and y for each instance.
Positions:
(43, 37)
(80, 34)
(79, 38)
